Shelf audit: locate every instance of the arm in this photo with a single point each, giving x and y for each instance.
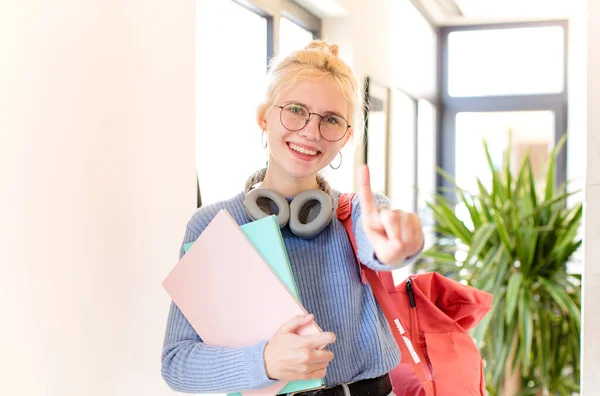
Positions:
(189, 365)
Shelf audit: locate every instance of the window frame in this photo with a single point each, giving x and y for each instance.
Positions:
(451, 106)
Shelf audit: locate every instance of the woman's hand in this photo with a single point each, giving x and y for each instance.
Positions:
(291, 357)
(394, 234)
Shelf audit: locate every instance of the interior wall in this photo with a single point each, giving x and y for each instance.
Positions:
(590, 377)
(103, 94)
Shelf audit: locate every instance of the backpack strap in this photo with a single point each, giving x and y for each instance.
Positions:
(344, 213)
(381, 291)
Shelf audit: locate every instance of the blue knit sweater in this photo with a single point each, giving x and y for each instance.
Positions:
(330, 287)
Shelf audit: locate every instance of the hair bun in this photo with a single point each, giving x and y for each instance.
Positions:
(323, 46)
(333, 48)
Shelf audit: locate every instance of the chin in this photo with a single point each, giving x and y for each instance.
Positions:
(301, 172)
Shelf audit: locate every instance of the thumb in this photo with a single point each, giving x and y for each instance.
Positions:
(295, 323)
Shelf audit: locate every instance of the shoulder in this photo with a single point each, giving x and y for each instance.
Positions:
(204, 215)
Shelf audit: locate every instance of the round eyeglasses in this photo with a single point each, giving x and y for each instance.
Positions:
(295, 117)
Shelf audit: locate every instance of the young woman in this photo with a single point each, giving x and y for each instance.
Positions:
(310, 108)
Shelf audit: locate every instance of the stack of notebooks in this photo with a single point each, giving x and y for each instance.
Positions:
(235, 286)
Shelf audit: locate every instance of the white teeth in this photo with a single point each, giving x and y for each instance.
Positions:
(302, 150)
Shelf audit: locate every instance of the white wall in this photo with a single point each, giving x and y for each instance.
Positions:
(370, 24)
(591, 281)
(103, 93)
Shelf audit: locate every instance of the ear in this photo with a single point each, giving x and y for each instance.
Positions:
(261, 118)
(347, 137)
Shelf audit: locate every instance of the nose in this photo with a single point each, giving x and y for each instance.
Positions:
(311, 130)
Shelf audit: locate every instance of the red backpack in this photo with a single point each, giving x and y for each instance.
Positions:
(430, 316)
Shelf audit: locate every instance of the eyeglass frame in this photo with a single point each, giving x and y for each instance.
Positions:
(348, 126)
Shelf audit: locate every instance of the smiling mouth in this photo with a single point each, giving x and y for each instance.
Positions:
(303, 150)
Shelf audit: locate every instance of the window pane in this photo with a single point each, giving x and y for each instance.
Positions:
(426, 166)
(506, 61)
(403, 154)
(530, 130)
(292, 36)
(377, 136)
(227, 97)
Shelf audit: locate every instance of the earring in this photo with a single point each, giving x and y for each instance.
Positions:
(262, 138)
(340, 164)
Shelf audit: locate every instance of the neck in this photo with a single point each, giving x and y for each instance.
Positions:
(287, 185)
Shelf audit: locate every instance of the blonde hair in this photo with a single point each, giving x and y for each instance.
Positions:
(317, 60)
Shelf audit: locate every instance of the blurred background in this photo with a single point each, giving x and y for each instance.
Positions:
(119, 118)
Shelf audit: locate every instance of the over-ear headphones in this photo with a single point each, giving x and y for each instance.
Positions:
(307, 214)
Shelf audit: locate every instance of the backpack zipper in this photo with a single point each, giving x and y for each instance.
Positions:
(414, 322)
(411, 295)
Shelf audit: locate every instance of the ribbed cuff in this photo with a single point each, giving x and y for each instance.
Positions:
(256, 369)
(377, 265)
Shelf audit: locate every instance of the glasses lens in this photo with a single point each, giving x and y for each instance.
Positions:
(294, 117)
(333, 128)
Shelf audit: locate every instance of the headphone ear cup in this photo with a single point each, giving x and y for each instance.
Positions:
(312, 228)
(256, 213)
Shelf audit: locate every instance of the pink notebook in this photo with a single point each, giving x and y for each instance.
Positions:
(229, 294)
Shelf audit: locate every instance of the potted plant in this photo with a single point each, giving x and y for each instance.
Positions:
(515, 243)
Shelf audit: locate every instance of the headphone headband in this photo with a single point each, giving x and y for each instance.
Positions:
(290, 214)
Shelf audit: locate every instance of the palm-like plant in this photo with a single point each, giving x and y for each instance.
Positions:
(516, 244)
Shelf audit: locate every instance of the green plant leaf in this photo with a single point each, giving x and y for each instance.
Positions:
(503, 232)
(504, 348)
(551, 171)
(512, 295)
(525, 327)
(485, 201)
(440, 257)
(476, 217)
(497, 187)
(563, 300)
(507, 172)
(479, 241)
(542, 338)
(532, 193)
(457, 227)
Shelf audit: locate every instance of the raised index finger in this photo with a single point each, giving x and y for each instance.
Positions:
(367, 202)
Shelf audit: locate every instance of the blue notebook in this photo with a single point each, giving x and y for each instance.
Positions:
(266, 237)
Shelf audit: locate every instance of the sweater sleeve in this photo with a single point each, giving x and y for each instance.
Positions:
(191, 366)
(366, 253)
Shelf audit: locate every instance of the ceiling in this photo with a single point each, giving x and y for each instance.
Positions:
(490, 11)
(324, 8)
(463, 12)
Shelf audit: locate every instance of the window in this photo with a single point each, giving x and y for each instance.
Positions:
(292, 36)
(497, 78)
(526, 130)
(506, 61)
(227, 97)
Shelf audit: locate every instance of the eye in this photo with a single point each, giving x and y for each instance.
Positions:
(331, 120)
(296, 109)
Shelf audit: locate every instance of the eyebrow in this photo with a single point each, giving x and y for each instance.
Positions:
(328, 112)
